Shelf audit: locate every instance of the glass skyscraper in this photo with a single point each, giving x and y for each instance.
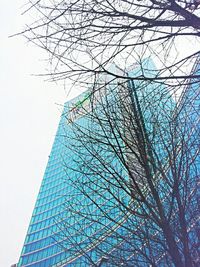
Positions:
(40, 247)
(59, 233)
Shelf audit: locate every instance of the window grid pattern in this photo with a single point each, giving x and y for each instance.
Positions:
(41, 247)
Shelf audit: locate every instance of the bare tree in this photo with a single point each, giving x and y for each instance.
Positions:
(134, 177)
(86, 37)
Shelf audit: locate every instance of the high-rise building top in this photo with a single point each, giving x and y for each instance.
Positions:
(59, 234)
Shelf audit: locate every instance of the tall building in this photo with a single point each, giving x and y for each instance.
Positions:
(77, 220)
(40, 246)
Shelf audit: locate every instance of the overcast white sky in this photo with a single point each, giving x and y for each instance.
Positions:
(28, 119)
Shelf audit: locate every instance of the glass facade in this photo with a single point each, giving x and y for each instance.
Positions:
(45, 239)
(58, 233)
(40, 248)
